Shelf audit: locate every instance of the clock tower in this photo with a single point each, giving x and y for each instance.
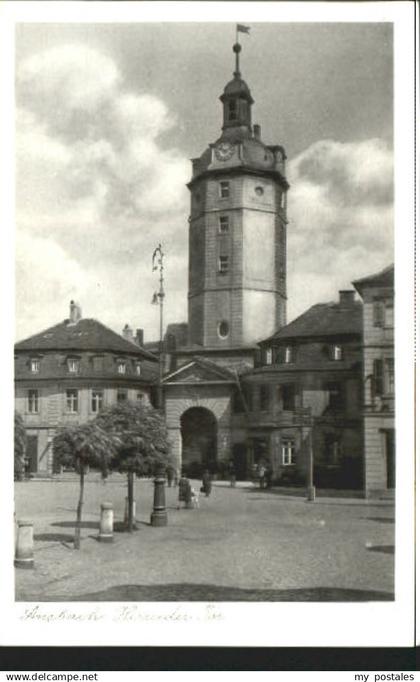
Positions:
(237, 231)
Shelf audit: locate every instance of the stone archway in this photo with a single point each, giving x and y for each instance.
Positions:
(199, 441)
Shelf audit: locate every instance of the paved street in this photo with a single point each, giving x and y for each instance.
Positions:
(241, 544)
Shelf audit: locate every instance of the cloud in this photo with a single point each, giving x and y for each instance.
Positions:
(341, 217)
(96, 183)
(97, 189)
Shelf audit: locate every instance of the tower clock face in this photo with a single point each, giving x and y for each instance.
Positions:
(224, 151)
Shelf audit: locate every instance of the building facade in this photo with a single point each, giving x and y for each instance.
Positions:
(306, 394)
(377, 292)
(67, 373)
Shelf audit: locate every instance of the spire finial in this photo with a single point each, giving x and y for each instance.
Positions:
(237, 48)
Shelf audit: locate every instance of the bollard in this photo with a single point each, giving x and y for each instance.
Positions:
(24, 555)
(159, 516)
(311, 493)
(106, 523)
(126, 511)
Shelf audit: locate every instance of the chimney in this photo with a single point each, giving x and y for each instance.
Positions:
(127, 333)
(75, 312)
(140, 337)
(257, 131)
(346, 296)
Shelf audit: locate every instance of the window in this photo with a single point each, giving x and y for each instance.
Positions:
(288, 354)
(332, 449)
(264, 398)
(121, 395)
(72, 400)
(378, 314)
(223, 329)
(288, 455)
(337, 352)
(259, 191)
(288, 396)
(389, 316)
(335, 397)
(35, 365)
(378, 377)
(73, 365)
(224, 224)
(140, 397)
(232, 110)
(98, 363)
(121, 366)
(389, 375)
(269, 356)
(33, 400)
(224, 189)
(223, 264)
(138, 368)
(97, 400)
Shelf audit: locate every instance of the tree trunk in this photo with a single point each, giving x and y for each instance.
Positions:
(79, 509)
(130, 500)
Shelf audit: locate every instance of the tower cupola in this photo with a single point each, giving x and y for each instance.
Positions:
(237, 102)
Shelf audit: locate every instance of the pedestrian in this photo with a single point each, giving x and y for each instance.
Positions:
(232, 473)
(170, 474)
(269, 476)
(206, 483)
(261, 475)
(184, 493)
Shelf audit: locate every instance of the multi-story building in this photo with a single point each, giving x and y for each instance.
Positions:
(67, 373)
(307, 393)
(377, 292)
(237, 276)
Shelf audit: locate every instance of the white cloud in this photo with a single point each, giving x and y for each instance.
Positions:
(341, 218)
(97, 189)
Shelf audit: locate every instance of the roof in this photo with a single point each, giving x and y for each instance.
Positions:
(384, 278)
(85, 335)
(198, 370)
(237, 86)
(324, 319)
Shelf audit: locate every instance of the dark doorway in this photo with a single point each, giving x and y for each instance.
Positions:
(199, 441)
(240, 461)
(32, 454)
(390, 458)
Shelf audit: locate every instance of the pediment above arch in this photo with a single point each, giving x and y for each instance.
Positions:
(198, 371)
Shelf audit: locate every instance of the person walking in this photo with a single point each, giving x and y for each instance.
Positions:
(232, 474)
(184, 493)
(261, 475)
(207, 483)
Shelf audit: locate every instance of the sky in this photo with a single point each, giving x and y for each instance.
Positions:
(108, 117)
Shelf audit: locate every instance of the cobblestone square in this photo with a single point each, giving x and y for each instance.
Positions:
(241, 544)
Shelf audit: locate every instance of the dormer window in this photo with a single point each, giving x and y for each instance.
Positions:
(337, 352)
(121, 367)
(138, 368)
(35, 365)
(288, 354)
(269, 356)
(73, 365)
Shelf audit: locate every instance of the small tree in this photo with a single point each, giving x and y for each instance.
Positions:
(20, 447)
(83, 446)
(143, 442)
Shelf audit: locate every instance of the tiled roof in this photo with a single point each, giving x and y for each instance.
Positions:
(86, 335)
(324, 319)
(384, 278)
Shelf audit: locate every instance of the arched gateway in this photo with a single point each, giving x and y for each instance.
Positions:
(199, 440)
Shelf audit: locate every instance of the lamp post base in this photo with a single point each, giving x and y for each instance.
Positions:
(311, 493)
(159, 518)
